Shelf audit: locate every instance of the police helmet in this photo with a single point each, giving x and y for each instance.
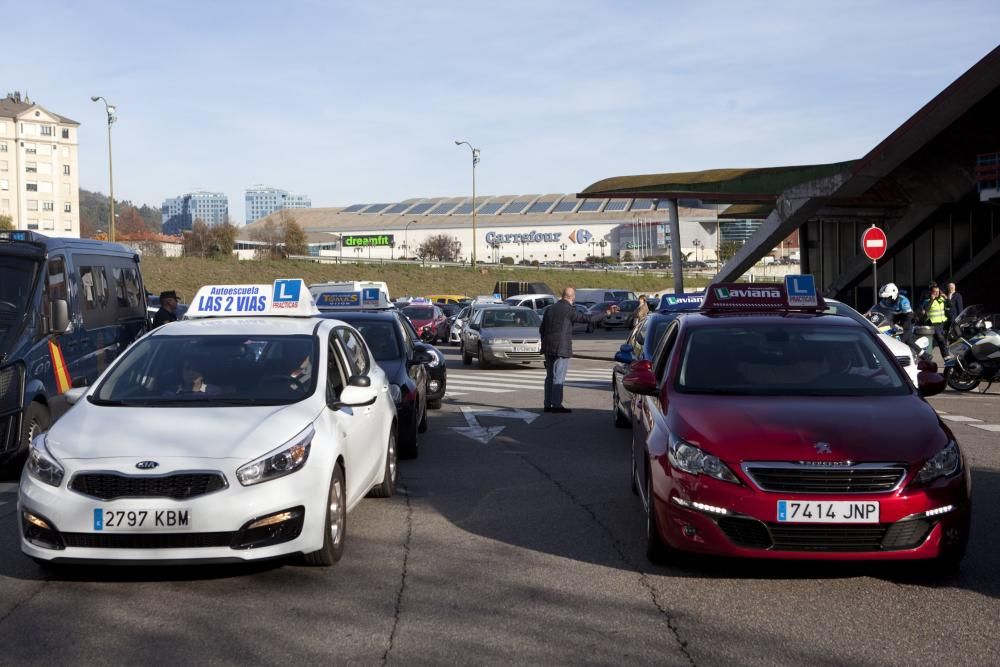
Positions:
(889, 291)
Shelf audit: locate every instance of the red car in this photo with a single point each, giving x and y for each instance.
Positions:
(429, 320)
(765, 430)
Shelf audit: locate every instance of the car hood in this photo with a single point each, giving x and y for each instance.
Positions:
(768, 428)
(85, 432)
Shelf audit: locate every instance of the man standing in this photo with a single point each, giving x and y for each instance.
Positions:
(557, 345)
(957, 303)
(168, 309)
(937, 311)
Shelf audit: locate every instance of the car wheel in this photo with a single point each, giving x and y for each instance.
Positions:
(388, 485)
(466, 357)
(620, 420)
(408, 439)
(422, 426)
(335, 526)
(483, 364)
(36, 421)
(657, 550)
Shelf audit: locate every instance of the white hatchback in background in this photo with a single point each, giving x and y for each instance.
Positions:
(246, 432)
(534, 301)
(904, 355)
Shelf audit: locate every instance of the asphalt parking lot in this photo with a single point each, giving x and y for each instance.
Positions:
(515, 538)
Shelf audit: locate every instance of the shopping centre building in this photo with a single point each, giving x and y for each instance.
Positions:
(546, 228)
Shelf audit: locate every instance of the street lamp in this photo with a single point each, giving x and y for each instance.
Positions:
(112, 117)
(602, 244)
(406, 237)
(563, 248)
(475, 161)
(392, 250)
(696, 243)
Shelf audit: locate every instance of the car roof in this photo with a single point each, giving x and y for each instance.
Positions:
(529, 296)
(699, 319)
(349, 315)
(241, 326)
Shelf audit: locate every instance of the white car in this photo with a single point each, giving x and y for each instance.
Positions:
(904, 355)
(237, 435)
(455, 333)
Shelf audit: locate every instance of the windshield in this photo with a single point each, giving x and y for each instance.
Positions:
(212, 371)
(837, 308)
(779, 360)
(17, 277)
(654, 330)
(419, 313)
(505, 319)
(382, 337)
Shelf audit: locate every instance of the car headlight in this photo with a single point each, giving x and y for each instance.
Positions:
(945, 463)
(282, 461)
(695, 461)
(42, 465)
(497, 341)
(395, 393)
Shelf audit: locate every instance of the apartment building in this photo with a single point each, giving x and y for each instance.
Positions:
(262, 200)
(39, 179)
(179, 213)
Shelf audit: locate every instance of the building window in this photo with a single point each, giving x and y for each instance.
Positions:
(4, 184)
(32, 204)
(30, 168)
(46, 130)
(30, 149)
(5, 205)
(65, 133)
(33, 223)
(65, 170)
(3, 148)
(68, 225)
(48, 223)
(65, 151)
(3, 165)
(66, 189)
(45, 186)
(67, 208)
(48, 206)
(45, 168)
(31, 187)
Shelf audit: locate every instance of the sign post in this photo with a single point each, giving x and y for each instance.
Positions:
(874, 244)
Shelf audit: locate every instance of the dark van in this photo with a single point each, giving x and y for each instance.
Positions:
(68, 307)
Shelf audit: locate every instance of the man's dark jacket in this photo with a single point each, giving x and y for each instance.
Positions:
(163, 316)
(557, 328)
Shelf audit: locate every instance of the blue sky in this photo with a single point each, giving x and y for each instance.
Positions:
(361, 101)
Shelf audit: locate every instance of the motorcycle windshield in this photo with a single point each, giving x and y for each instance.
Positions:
(17, 279)
(971, 313)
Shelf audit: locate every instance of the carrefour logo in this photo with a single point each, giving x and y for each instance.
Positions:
(580, 236)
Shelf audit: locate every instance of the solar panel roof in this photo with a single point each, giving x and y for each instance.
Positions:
(617, 205)
(422, 207)
(516, 207)
(642, 205)
(354, 208)
(540, 207)
(490, 207)
(397, 208)
(566, 205)
(375, 208)
(590, 206)
(442, 209)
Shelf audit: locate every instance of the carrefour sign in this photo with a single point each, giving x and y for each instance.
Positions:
(377, 240)
(579, 236)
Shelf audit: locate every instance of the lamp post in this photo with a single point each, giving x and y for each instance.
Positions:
(603, 243)
(563, 248)
(112, 117)
(475, 161)
(392, 250)
(696, 243)
(357, 252)
(406, 237)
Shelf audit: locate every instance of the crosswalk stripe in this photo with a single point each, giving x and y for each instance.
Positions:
(503, 387)
(993, 428)
(528, 375)
(959, 418)
(488, 390)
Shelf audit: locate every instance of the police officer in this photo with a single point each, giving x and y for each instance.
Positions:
(937, 311)
(168, 309)
(897, 308)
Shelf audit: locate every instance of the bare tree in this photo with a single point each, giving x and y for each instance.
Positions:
(270, 238)
(198, 240)
(6, 223)
(294, 239)
(440, 247)
(224, 239)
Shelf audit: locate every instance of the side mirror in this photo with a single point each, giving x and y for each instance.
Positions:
(927, 365)
(640, 379)
(930, 384)
(357, 394)
(58, 316)
(75, 394)
(624, 354)
(422, 355)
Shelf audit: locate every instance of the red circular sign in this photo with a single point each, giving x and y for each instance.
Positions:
(874, 243)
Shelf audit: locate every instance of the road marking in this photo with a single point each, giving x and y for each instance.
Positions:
(959, 418)
(8, 487)
(484, 434)
(993, 428)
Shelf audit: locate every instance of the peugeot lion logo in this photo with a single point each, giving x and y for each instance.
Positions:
(146, 465)
(823, 448)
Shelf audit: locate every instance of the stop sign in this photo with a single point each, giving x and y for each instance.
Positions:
(874, 243)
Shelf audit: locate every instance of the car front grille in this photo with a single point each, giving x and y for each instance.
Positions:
(523, 355)
(111, 485)
(820, 478)
(524, 342)
(147, 540)
(753, 534)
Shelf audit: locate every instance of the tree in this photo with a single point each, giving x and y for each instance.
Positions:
(293, 236)
(727, 250)
(627, 257)
(270, 238)
(224, 239)
(507, 260)
(440, 247)
(131, 226)
(150, 248)
(198, 240)
(6, 223)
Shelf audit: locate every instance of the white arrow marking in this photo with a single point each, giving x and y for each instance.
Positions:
(483, 434)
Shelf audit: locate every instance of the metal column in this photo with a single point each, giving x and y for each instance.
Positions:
(675, 247)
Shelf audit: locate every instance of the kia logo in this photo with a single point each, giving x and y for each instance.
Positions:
(146, 465)
(823, 448)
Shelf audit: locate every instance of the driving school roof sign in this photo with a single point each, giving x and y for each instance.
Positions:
(798, 293)
(286, 297)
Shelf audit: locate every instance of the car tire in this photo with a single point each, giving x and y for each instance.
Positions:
(35, 422)
(483, 364)
(466, 357)
(422, 426)
(657, 550)
(388, 485)
(620, 420)
(335, 525)
(407, 440)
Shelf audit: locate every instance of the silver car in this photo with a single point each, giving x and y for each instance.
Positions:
(502, 335)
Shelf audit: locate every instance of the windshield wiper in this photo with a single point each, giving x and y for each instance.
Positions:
(104, 402)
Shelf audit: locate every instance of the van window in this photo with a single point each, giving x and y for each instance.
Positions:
(57, 278)
(94, 287)
(127, 289)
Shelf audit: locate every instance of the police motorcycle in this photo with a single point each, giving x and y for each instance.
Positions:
(976, 351)
(885, 325)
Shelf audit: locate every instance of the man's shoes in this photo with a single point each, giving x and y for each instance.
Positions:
(547, 409)
(560, 409)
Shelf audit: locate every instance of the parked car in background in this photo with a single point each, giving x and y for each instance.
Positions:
(429, 321)
(502, 334)
(533, 301)
(457, 323)
(456, 299)
(598, 295)
(623, 316)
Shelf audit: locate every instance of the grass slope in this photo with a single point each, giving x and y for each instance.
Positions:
(187, 274)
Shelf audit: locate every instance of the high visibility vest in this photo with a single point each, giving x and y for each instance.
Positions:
(935, 310)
